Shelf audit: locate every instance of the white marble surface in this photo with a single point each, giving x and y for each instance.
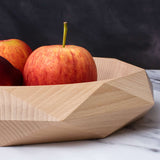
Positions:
(138, 141)
(154, 76)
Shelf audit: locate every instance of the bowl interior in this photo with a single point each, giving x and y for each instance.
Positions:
(110, 68)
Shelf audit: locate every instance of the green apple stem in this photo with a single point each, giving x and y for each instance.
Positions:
(64, 34)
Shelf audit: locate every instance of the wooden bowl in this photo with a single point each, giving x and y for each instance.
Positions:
(38, 114)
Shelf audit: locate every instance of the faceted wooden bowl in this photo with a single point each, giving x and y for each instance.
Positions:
(38, 114)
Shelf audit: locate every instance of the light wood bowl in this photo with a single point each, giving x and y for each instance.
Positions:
(39, 114)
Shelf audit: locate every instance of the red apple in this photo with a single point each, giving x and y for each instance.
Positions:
(15, 51)
(10, 76)
(57, 64)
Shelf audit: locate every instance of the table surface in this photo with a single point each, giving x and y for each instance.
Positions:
(139, 140)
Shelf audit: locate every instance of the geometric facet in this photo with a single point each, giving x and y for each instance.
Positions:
(39, 114)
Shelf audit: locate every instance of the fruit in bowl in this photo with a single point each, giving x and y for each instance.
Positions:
(10, 76)
(15, 51)
(59, 64)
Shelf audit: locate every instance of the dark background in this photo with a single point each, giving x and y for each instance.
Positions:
(125, 29)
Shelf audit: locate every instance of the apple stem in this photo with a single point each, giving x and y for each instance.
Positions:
(64, 34)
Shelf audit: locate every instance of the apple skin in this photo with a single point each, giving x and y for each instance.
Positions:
(49, 65)
(15, 51)
(10, 76)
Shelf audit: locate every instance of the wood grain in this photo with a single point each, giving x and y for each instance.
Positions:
(38, 114)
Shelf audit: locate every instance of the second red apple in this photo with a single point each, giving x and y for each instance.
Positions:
(15, 51)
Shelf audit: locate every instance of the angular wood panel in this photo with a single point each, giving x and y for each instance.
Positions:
(39, 114)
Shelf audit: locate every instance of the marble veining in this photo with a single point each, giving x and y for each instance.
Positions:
(154, 76)
(139, 140)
